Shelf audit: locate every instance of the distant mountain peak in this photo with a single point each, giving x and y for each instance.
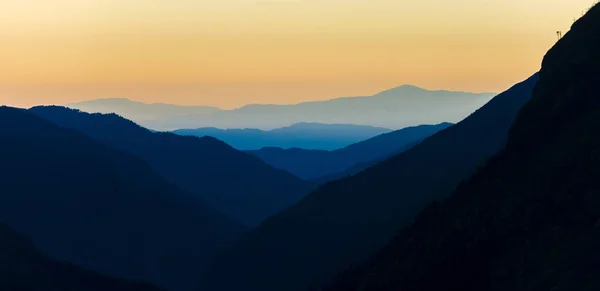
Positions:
(412, 89)
(407, 88)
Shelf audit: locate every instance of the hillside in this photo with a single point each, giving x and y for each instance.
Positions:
(361, 166)
(24, 268)
(310, 136)
(528, 220)
(344, 221)
(314, 165)
(394, 108)
(103, 209)
(233, 182)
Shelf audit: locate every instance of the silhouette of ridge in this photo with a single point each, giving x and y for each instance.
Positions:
(103, 209)
(343, 222)
(529, 218)
(317, 165)
(395, 108)
(233, 182)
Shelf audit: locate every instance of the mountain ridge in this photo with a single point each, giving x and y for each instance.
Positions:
(81, 201)
(315, 164)
(527, 220)
(375, 110)
(306, 135)
(319, 236)
(233, 182)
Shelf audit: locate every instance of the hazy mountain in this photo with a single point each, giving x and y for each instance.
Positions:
(155, 115)
(22, 267)
(233, 182)
(311, 136)
(311, 165)
(529, 219)
(345, 221)
(103, 209)
(396, 108)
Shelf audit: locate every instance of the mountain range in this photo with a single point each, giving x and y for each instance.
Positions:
(530, 218)
(235, 183)
(507, 198)
(396, 108)
(311, 136)
(103, 209)
(315, 164)
(344, 221)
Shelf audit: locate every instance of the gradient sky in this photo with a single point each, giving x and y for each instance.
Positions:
(228, 53)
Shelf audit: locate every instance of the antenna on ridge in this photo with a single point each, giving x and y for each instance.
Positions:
(559, 34)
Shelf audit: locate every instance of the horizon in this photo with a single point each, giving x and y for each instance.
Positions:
(262, 104)
(232, 53)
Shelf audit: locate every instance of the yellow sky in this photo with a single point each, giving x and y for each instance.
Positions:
(229, 53)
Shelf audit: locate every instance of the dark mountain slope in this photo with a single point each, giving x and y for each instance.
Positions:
(312, 165)
(344, 221)
(234, 182)
(385, 144)
(23, 268)
(361, 166)
(528, 220)
(103, 209)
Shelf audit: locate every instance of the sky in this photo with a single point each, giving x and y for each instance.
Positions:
(229, 53)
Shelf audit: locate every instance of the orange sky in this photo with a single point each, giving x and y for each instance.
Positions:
(229, 53)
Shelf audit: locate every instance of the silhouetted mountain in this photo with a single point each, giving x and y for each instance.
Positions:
(399, 107)
(361, 166)
(345, 221)
(23, 268)
(310, 136)
(233, 182)
(103, 209)
(155, 115)
(312, 165)
(529, 219)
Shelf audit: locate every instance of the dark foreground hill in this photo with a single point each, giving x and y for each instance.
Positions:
(528, 220)
(23, 268)
(314, 164)
(103, 209)
(231, 181)
(361, 166)
(344, 221)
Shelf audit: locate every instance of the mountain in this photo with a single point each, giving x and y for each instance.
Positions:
(361, 166)
(233, 182)
(155, 115)
(103, 209)
(399, 107)
(312, 164)
(312, 136)
(24, 268)
(345, 221)
(530, 218)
